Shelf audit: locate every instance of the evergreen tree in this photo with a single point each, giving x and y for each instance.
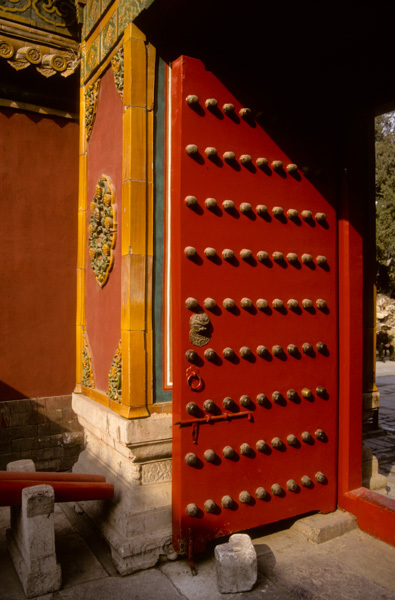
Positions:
(385, 203)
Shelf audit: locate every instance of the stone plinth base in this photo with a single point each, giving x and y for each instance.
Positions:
(31, 538)
(31, 542)
(134, 455)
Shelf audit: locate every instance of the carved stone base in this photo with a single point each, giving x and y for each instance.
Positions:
(134, 455)
(371, 478)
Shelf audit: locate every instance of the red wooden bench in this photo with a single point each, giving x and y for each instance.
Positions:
(68, 487)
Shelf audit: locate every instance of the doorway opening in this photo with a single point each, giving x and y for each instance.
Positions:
(379, 416)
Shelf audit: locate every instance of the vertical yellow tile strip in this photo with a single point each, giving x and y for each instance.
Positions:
(137, 168)
(151, 63)
(81, 256)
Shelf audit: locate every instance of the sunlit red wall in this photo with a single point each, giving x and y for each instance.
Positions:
(38, 233)
(103, 305)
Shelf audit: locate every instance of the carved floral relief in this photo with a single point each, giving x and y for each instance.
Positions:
(102, 230)
(117, 67)
(115, 376)
(157, 472)
(91, 99)
(88, 379)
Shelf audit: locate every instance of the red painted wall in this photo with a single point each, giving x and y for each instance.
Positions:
(38, 232)
(103, 305)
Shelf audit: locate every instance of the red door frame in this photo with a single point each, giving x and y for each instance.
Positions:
(375, 513)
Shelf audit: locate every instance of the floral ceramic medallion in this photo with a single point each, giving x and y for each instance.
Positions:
(102, 230)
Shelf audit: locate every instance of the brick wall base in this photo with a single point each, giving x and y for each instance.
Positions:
(46, 430)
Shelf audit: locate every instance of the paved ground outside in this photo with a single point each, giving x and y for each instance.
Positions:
(349, 567)
(352, 566)
(382, 441)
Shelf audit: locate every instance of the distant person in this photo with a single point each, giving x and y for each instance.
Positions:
(384, 342)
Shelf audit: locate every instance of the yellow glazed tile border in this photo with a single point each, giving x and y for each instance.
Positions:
(149, 347)
(130, 412)
(134, 143)
(136, 325)
(149, 296)
(150, 219)
(132, 31)
(149, 326)
(79, 347)
(150, 146)
(82, 189)
(161, 407)
(81, 315)
(151, 64)
(151, 71)
(134, 384)
(97, 395)
(134, 83)
(134, 198)
(133, 310)
(81, 253)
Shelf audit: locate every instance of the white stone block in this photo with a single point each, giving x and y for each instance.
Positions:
(25, 465)
(237, 566)
(31, 542)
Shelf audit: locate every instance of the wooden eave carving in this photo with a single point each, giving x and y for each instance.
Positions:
(46, 59)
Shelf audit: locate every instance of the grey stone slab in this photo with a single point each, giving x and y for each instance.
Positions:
(10, 586)
(321, 528)
(281, 542)
(5, 517)
(322, 577)
(204, 585)
(366, 556)
(145, 585)
(84, 526)
(77, 561)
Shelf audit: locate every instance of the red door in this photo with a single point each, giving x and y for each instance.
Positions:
(254, 321)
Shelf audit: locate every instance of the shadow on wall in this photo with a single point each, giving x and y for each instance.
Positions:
(46, 430)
